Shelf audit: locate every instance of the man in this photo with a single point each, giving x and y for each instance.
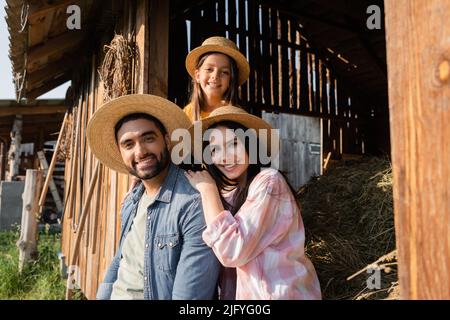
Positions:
(161, 253)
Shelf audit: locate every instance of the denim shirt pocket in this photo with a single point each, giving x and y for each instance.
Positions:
(168, 249)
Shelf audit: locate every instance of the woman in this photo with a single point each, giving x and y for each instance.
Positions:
(253, 219)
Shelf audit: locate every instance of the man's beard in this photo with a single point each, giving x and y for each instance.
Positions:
(156, 169)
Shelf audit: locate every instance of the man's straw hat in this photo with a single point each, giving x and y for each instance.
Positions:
(222, 45)
(100, 130)
(238, 115)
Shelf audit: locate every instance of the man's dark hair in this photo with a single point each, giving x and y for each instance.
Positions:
(137, 116)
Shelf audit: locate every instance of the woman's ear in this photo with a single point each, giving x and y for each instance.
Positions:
(197, 76)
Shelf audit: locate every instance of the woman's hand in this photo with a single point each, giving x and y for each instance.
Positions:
(205, 184)
(201, 180)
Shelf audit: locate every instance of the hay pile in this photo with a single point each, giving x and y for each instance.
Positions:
(349, 223)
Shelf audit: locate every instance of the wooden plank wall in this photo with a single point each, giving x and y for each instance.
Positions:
(100, 235)
(298, 135)
(418, 51)
(287, 75)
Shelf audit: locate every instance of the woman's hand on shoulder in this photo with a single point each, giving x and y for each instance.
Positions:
(201, 180)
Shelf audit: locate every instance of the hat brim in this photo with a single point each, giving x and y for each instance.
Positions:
(241, 61)
(100, 130)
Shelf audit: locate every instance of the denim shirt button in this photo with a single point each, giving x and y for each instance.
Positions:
(145, 278)
(160, 245)
(146, 245)
(170, 244)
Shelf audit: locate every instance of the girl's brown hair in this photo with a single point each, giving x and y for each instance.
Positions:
(230, 96)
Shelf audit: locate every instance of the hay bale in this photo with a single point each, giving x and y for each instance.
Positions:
(349, 223)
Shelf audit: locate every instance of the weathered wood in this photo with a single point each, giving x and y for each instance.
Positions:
(53, 46)
(10, 111)
(418, 52)
(158, 46)
(27, 242)
(14, 150)
(52, 186)
(83, 217)
(142, 46)
(48, 178)
(243, 45)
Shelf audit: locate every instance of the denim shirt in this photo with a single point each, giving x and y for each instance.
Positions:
(177, 262)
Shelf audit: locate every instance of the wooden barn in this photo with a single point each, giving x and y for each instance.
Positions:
(321, 63)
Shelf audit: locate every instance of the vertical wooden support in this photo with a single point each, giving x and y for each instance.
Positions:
(418, 52)
(159, 48)
(3, 159)
(14, 150)
(142, 46)
(52, 163)
(27, 242)
(52, 185)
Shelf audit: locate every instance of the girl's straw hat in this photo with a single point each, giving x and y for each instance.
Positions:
(238, 115)
(222, 45)
(100, 129)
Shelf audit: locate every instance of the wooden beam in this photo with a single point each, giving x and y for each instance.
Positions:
(40, 7)
(50, 71)
(58, 44)
(5, 112)
(142, 46)
(50, 85)
(418, 51)
(159, 47)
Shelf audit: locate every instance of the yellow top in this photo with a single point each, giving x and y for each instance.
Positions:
(189, 110)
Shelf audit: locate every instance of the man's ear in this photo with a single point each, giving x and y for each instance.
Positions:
(167, 140)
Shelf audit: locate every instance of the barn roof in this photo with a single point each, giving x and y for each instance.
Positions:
(45, 52)
(40, 117)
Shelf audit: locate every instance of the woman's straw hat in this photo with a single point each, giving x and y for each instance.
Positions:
(222, 45)
(100, 130)
(240, 116)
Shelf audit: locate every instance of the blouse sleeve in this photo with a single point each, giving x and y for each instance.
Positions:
(263, 219)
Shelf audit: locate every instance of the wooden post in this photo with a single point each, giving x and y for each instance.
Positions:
(52, 163)
(418, 52)
(142, 52)
(27, 243)
(52, 186)
(3, 159)
(159, 48)
(14, 150)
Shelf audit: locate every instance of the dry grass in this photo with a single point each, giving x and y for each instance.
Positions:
(348, 216)
(116, 69)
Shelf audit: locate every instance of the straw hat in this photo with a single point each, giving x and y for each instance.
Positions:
(100, 129)
(234, 114)
(222, 45)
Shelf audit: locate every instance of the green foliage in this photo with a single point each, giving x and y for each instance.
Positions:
(40, 280)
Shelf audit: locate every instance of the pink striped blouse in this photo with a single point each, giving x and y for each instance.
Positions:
(264, 241)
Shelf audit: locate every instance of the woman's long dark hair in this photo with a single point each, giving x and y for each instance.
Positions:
(241, 192)
(231, 96)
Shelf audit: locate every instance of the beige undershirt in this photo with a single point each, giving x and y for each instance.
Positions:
(130, 279)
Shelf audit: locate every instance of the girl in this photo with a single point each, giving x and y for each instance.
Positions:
(252, 217)
(217, 69)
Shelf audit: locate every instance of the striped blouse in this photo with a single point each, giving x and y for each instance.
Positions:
(264, 241)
